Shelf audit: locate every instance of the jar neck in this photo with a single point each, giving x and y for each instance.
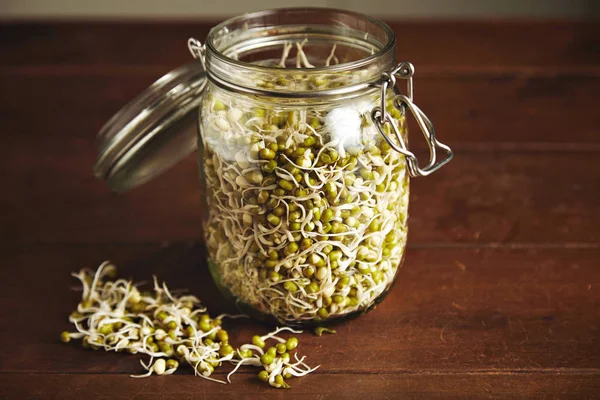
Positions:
(297, 53)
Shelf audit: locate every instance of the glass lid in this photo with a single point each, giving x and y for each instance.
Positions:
(154, 131)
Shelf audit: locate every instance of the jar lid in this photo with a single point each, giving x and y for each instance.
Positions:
(153, 131)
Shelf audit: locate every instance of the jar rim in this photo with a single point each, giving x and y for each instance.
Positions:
(386, 48)
(368, 43)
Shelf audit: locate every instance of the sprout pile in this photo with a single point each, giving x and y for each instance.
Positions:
(172, 330)
(306, 203)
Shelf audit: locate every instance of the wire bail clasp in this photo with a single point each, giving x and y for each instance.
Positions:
(197, 49)
(402, 102)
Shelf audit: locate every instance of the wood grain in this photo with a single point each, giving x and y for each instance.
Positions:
(471, 45)
(517, 111)
(317, 386)
(515, 197)
(451, 310)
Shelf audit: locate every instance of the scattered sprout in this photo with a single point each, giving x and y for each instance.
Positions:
(321, 329)
(115, 316)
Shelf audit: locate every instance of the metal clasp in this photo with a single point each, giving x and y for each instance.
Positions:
(197, 49)
(380, 116)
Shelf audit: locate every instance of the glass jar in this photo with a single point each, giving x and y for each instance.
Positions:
(303, 152)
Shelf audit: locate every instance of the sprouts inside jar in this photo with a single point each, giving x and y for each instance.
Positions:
(307, 203)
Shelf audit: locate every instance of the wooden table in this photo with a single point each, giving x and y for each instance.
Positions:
(499, 296)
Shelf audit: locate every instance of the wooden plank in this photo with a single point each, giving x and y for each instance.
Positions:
(321, 386)
(479, 198)
(451, 311)
(469, 112)
(513, 45)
